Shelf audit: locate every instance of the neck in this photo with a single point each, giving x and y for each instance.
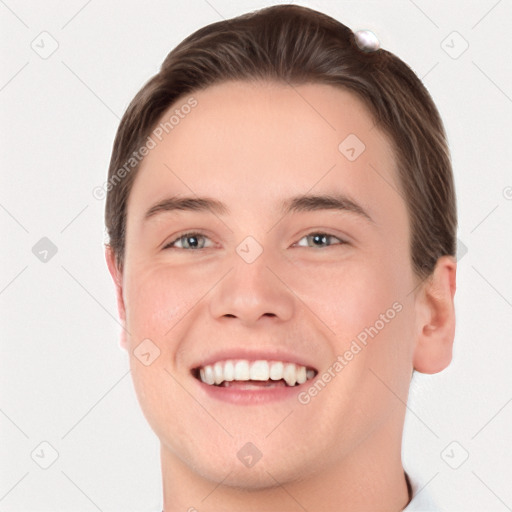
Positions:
(370, 477)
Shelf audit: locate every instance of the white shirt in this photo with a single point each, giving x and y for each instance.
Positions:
(421, 502)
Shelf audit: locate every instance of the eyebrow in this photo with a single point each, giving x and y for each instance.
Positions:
(301, 203)
(309, 203)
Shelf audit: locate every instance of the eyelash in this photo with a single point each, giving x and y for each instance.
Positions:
(196, 234)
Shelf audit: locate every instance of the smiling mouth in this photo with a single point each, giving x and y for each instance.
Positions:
(245, 374)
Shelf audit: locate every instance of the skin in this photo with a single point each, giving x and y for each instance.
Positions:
(251, 146)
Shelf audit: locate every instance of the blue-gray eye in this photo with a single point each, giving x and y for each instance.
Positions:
(188, 241)
(319, 238)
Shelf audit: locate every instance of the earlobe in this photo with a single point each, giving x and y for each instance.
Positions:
(435, 317)
(117, 277)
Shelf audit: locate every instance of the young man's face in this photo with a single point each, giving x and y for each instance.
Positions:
(258, 284)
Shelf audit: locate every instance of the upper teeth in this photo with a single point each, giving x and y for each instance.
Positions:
(241, 369)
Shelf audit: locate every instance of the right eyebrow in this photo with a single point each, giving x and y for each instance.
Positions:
(195, 204)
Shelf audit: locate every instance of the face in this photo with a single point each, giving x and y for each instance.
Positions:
(321, 283)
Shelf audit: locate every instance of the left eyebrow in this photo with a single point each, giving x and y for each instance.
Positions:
(309, 203)
(301, 203)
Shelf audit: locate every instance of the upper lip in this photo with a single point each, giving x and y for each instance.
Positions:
(254, 355)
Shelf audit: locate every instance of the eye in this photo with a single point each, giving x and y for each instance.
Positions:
(190, 240)
(319, 239)
(196, 241)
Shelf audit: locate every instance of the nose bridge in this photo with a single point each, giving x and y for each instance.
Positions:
(251, 289)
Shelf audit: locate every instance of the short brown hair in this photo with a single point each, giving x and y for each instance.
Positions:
(297, 45)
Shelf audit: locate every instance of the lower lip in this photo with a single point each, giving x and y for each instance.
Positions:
(259, 395)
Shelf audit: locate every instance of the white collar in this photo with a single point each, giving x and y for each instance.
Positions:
(421, 499)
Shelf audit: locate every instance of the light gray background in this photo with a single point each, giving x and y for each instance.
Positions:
(63, 378)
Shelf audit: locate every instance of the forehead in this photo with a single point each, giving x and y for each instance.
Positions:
(250, 143)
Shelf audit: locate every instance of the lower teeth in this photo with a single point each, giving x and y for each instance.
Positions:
(253, 384)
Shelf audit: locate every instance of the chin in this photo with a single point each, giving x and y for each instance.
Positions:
(270, 471)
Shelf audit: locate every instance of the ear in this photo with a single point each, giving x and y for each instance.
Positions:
(435, 318)
(117, 277)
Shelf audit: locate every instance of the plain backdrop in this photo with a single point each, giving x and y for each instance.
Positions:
(68, 71)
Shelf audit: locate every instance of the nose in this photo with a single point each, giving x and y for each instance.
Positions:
(251, 292)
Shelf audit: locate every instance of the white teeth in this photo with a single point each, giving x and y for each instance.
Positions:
(301, 375)
(218, 373)
(276, 370)
(208, 375)
(290, 374)
(242, 370)
(229, 371)
(261, 370)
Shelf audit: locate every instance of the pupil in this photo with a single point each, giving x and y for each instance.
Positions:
(194, 243)
(318, 238)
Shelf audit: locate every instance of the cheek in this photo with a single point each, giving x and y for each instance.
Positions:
(159, 298)
(159, 304)
(347, 297)
(369, 317)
